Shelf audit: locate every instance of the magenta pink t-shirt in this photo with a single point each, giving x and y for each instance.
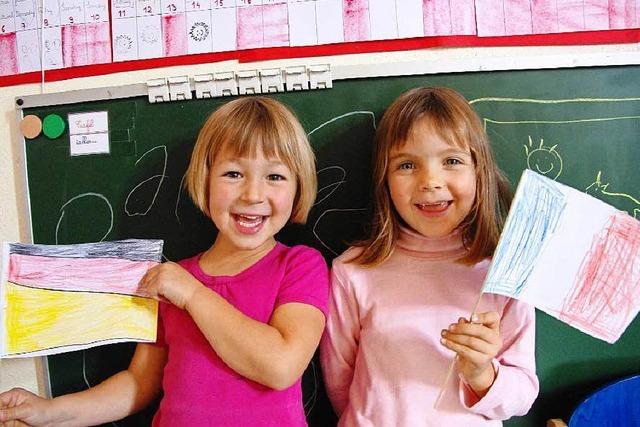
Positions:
(199, 388)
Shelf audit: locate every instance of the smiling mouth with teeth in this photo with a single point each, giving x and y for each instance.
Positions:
(249, 221)
(437, 207)
(441, 204)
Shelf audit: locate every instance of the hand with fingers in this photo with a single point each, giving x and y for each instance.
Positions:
(19, 407)
(169, 282)
(476, 343)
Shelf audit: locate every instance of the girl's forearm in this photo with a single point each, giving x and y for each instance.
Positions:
(253, 349)
(111, 400)
(116, 397)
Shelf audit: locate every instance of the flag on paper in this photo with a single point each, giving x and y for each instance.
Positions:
(570, 255)
(59, 298)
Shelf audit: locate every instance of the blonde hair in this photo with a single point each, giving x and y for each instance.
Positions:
(245, 126)
(455, 121)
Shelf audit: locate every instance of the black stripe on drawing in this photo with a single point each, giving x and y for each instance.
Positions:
(131, 249)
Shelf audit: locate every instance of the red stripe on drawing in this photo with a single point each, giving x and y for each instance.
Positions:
(105, 275)
(606, 293)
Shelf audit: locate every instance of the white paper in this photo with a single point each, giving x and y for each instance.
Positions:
(223, 22)
(217, 4)
(148, 7)
(149, 37)
(196, 5)
(71, 12)
(95, 143)
(123, 9)
(96, 11)
(200, 38)
(410, 20)
(51, 13)
(302, 23)
(125, 39)
(171, 7)
(94, 122)
(330, 23)
(52, 48)
(7, 15)
(384, 23)
(26, 16)
(570, 255)
(28, 50)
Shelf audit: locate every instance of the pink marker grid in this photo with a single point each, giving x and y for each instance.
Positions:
(262, 26)
(174, 28)
(449, 17)
(9, 61)
(356, 20)
(515, 17)
(250, 24)
(83, 39)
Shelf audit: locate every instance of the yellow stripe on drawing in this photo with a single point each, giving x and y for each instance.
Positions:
(39, 319)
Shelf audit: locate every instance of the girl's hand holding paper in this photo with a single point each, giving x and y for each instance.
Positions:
(476, 343)
(169, 282)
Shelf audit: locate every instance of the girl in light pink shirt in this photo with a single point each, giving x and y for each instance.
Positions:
(397, 298)
(239, 322)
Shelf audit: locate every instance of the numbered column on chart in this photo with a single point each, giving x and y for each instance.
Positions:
(53, 34)
(198, 26)
(224, 25)
(124, 29)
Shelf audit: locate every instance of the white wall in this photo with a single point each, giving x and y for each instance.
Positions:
(27, 373)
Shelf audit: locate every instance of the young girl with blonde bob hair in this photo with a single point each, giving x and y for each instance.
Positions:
(396, 301)
(239, 322)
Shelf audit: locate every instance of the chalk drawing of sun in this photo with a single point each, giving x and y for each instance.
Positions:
(544, 160)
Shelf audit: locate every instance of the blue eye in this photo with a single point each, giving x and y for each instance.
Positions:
(406, 166)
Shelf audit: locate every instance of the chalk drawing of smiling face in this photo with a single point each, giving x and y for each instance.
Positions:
(544, 160)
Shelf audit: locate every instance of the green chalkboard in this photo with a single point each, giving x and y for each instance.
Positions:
(579, 126)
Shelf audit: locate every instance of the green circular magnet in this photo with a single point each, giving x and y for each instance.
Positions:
(53, 126)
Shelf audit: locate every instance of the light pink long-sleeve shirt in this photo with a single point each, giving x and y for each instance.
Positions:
(381, 357)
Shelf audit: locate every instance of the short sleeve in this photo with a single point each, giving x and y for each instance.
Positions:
(305, 280)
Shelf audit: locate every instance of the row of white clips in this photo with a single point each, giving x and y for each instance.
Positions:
(248, 82)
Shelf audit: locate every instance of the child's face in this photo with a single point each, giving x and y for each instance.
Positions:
(250, 199)
(432, 183)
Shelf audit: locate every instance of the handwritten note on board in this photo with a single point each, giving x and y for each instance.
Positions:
(570, 255)
(58, 298)
(89, 133)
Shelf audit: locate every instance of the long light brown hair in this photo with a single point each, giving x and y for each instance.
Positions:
(456, 122)
(244, 127)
